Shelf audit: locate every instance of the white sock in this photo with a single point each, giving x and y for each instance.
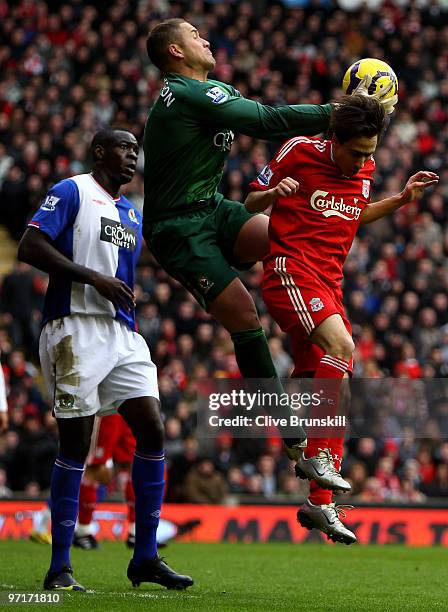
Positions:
(84, 530)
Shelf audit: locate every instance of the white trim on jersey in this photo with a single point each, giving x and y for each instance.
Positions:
(335, 363)
(101, 188)
(290, 144)
(294, 294)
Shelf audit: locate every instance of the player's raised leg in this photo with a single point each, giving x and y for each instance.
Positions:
(252, 243)
(252, 349)
(74, 443)
(143, 417)
(317, 463)
(319, 511)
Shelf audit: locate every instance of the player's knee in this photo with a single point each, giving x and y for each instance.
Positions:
(342, 348)
(100, 473)
(77, 450)
(157, 432)
(150, 434)
(247, 319)
(74, 437)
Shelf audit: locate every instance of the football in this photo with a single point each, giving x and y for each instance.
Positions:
(381, 73)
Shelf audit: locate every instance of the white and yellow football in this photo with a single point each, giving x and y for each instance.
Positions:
(381, 73)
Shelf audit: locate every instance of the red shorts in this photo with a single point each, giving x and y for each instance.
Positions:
(112, 439)
(299, 302)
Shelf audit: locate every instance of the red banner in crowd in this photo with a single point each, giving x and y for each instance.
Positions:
(409, 526)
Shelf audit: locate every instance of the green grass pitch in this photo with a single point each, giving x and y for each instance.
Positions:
(253, 577)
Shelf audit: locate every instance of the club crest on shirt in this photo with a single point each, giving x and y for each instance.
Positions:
(217, 95)
(366, 188)
(66, 401)
(316, 304)
(205, 284)
(132, 216)
(50, 203)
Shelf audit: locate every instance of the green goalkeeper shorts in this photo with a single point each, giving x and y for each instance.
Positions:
(197, 248)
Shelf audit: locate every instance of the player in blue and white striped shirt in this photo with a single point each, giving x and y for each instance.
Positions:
(88, 237)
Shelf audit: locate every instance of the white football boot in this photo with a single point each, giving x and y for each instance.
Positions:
(321, 468)
(326, 519)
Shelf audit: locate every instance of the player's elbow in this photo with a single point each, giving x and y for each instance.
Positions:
(255, 204)
(249, 204)
(26, 250)
(366, 216)
(23, 252)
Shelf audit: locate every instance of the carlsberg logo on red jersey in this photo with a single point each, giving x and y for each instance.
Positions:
(335, 207)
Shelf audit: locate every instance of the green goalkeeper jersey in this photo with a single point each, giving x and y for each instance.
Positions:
(189, 133)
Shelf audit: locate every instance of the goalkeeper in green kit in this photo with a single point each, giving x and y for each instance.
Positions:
(195, 234)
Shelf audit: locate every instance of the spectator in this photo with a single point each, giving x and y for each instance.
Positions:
(204, 485)
(5, 491)
(179, 466)
(18, 302)
(439, 486)
(266, 469)
(282, 360)
(372, 492)
(389, 481)
(357, 476)
(235, 481)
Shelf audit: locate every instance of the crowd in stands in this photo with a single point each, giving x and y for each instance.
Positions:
(70, 68)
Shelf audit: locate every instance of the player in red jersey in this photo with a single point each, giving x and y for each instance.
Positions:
(320, 194)
(112, 440)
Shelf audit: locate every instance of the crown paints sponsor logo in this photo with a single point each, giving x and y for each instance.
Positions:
(118, 234)
(335, 207)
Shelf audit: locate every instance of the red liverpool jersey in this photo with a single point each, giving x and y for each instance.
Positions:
(316, 226)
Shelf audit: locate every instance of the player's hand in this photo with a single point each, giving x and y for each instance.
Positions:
(114, 290)
(417, 184)
(3, 422)
(387, 103)
(362, 89)
(287, 187)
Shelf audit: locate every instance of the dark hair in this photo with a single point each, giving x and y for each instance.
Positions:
(104, 138)
(357, 115)
(160, 37)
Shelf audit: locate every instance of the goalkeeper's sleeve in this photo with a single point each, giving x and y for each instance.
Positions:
(231, 111)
